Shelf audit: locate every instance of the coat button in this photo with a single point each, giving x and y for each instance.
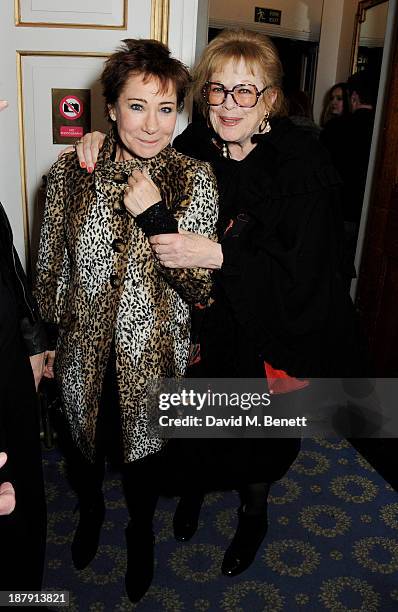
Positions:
(118, 245)
(120, 177)
(119, 207)
(115, 281)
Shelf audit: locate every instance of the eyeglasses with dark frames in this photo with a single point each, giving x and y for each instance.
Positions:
(243, 94)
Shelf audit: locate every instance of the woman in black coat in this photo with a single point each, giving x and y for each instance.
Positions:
(279, 300)
(279, 304)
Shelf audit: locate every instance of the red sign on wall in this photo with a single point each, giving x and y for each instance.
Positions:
(71, 107)
(69, 131)
(71, 114)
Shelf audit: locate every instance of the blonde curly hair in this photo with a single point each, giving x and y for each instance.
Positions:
(258, 52)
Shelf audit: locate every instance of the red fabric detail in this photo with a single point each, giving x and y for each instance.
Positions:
(280, 382)
(194, 355)
(229, 226)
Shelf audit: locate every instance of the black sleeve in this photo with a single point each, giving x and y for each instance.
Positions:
(32, 328)
(157, 219)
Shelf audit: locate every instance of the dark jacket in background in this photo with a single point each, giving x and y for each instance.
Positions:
(14, 291)
(348, 140)
(22, 533)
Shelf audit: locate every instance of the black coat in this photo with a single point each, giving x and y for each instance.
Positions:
(22, 533)
(279, 295)
(348, 139)
(18, 307)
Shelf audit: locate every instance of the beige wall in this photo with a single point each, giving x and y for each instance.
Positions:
(346, 37)
(301, 19)
(331, 22)
(374, 27)
(335, 44)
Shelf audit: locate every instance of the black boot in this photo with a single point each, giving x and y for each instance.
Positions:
(186, 516)
(249, 535)
(140, 561)
(86, 538)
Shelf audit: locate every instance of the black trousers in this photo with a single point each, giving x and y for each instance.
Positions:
(140, 478)
(22, 533)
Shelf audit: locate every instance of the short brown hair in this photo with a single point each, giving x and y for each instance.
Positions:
(255, 49)
(150, 58)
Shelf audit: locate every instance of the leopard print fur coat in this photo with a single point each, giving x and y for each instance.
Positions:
(98, 280)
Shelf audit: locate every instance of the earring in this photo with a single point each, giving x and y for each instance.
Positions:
(112, 116)
(265, 126)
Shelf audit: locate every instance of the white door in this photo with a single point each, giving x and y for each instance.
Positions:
(45, 48)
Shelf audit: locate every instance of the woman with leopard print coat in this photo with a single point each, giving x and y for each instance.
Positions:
(122, 318)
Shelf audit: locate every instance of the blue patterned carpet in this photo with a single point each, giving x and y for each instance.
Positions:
(332, 544)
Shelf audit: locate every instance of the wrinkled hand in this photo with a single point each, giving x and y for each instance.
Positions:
(141, 193)
(49, 365)
(38, 362)
(87, 149)
(7, 493)
(187, 250)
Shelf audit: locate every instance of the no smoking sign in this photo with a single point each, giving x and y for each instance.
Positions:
(71, 108)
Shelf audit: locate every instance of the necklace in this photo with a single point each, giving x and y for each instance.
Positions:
(222, 147)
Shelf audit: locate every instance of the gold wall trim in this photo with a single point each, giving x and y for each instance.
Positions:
(21, 135)
(160, 20)
(22, 164)
(35, 24)
(64, 53)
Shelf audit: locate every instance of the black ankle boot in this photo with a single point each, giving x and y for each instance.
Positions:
(140, 561)
(85, 541)
(186, 517)
(247, 540)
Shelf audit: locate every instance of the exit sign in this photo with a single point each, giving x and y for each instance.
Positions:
(264, 15)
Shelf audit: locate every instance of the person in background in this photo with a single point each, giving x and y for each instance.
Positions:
(300, 111)
(348, 140)
(23, 346)
(123, 319)
(279, 306)
(337, 103)
(7, 493)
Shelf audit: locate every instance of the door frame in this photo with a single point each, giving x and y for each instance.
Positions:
(376, 226)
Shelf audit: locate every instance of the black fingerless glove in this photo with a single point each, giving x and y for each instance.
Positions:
(157, 219)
